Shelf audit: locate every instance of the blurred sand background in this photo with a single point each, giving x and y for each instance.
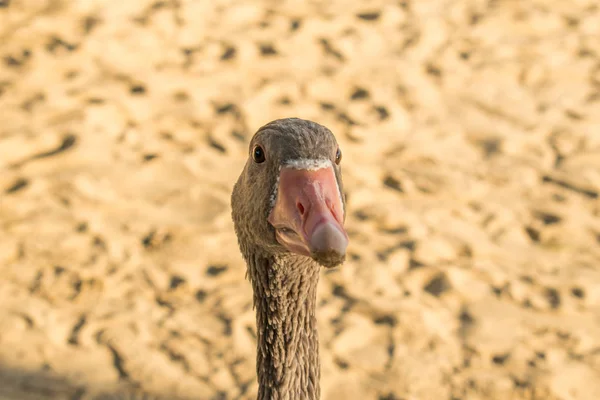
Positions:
(471, 140)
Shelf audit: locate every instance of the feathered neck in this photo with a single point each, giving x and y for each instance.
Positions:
(285, 289)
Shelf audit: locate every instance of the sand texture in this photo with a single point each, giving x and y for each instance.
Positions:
(471, 140)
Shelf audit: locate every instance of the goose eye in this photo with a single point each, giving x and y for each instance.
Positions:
(338, 156)
(258, 155)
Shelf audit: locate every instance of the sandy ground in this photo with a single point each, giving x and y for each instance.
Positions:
(471, 139)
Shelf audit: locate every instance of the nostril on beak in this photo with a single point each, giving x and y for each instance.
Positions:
(300, 208)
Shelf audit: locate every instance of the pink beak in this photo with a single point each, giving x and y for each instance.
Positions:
(308, 215)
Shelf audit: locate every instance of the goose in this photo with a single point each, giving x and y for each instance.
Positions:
(288, 211)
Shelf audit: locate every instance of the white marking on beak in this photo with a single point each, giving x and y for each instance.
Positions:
(273, 197)
(309, 164)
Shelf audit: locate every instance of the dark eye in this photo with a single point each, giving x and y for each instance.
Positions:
(338, 156)
(258, 154)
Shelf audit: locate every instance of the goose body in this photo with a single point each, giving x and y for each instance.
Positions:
(288, 213)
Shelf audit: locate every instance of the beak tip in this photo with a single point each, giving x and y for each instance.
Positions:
(328, 245)
(327, 237)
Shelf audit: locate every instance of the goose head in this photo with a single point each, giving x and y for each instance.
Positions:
(289, 197)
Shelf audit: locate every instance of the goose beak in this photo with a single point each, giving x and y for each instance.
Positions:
(308, 214)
